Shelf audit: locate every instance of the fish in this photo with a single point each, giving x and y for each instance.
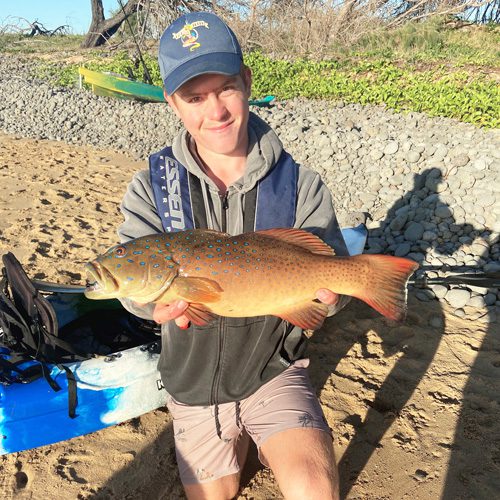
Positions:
(269, 272)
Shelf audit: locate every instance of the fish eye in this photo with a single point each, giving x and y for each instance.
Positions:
(120, 252)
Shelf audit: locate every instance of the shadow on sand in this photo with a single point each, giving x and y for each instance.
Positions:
(416, 354)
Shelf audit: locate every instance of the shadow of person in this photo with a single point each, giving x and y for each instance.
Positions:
(474, 464)
(420, 225)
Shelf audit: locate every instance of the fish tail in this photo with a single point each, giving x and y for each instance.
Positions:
(384, 288)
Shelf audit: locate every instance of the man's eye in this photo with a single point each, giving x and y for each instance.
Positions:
(195, 99)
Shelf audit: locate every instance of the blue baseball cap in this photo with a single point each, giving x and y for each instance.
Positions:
(195, 44)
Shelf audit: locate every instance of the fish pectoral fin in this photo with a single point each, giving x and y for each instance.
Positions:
(199, 315)
(308, 316)
(300, 238)
(197, 290)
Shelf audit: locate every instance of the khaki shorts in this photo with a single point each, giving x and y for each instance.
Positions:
(285, 402)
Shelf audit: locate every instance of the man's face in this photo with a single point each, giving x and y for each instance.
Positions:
(214, 110)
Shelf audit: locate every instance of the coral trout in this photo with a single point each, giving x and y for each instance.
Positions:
(276, 271)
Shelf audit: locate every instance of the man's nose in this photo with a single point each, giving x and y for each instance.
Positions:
(217, 110)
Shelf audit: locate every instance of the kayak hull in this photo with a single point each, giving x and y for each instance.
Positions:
(111, 85)
(110, 389)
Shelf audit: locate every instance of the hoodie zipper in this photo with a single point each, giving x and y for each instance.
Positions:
(222, 321)
(224, 207)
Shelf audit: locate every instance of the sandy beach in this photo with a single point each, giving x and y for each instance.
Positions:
(414, 408)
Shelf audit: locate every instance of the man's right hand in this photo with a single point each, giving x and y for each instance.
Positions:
(175, 310)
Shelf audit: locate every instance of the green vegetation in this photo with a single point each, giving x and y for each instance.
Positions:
(418, 67)
(466, 96)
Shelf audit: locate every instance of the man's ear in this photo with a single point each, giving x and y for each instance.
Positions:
(171, 102)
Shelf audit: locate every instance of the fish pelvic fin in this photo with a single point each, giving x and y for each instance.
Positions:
(308, 316)
(199, 290)
(199, 315)
(300, 238)
(385, 288)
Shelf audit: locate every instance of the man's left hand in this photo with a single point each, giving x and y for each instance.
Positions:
(327, 296)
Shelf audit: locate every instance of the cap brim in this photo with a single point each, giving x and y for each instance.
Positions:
(217, 62)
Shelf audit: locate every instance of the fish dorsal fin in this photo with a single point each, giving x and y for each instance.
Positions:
(301, 238)
(308, 316)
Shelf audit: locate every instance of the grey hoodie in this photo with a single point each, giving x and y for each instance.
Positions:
(229, 360)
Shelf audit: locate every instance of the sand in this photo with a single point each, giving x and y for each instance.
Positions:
(414, 409)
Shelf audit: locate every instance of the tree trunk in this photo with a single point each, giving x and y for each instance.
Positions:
(102, 29)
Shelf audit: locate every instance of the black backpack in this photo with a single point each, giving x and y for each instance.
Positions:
(29, 332)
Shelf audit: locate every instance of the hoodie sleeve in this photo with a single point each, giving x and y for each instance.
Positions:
(315, 213)
(140, 219)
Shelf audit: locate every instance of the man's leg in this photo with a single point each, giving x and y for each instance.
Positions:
(209, 465)
(286, 421)
(225, 487)
(303, 463)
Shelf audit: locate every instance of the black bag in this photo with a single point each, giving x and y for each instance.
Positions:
(29, 331)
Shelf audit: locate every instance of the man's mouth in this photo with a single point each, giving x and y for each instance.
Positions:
(220, 128)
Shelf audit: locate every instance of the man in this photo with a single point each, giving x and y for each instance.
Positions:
(236, 377)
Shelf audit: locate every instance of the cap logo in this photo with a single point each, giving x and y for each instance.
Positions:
(189, 35)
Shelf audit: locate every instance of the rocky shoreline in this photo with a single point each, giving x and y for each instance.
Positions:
(430, 185)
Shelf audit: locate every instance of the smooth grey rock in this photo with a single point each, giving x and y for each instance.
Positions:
(414, 231)
(391, 148)
(413, 156)
(439, 291)
(436, 322)
(458, 297)
(460, 160)
(402, 249)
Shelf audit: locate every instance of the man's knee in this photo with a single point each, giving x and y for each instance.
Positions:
(312, 480)
(306, 471)
(224, 488)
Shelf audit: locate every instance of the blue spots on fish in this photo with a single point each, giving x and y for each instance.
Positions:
(156, 265)
(130, 260)
(142, 263)
(210, 255)
(138, 252)
(118, 266)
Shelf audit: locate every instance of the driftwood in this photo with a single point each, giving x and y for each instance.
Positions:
(39, 29)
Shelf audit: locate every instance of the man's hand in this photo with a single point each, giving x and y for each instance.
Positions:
(327, 296)
(175, 310)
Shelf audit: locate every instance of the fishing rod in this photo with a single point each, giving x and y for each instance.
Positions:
(146, 71)
(484, 280)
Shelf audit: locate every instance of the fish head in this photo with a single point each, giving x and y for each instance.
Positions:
(133, 270)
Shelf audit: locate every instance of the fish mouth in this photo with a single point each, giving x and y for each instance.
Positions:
(100, 282)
